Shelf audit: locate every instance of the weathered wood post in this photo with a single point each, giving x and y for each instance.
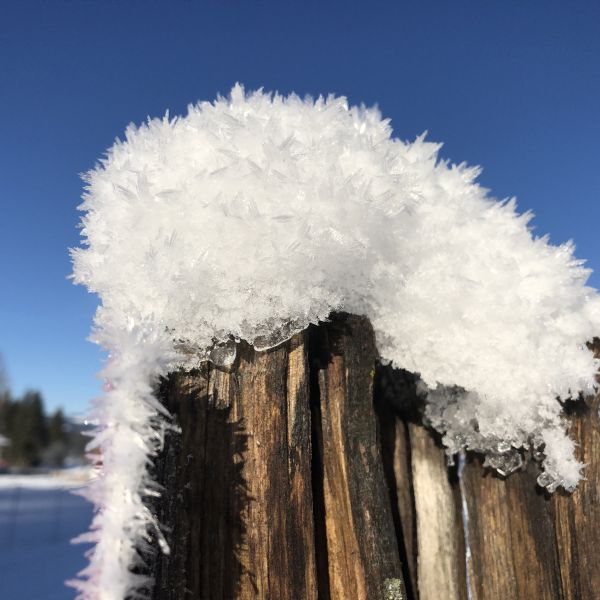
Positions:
(275, 487)
(256, 213)
(469, 533)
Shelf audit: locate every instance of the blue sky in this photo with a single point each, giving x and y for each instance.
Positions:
(513, 86)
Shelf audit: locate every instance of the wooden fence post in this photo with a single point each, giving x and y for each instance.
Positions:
(361, 546)
(511, 538)
(274, 489)
(283, 485)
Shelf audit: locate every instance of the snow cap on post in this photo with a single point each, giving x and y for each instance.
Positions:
(256, 215)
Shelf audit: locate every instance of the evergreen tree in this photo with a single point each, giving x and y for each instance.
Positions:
(56, 427)
(34, 438)
(5, 409)
(29, 433)
(54, 455)
(3, 378)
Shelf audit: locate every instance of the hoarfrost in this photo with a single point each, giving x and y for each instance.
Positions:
(256, 215)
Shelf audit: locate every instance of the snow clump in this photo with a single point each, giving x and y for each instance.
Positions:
(255, 215)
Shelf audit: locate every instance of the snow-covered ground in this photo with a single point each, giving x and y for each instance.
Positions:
(39, 515)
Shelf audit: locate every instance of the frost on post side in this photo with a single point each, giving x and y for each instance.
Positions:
(256, 215)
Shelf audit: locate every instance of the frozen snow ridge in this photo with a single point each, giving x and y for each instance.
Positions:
(256, 215)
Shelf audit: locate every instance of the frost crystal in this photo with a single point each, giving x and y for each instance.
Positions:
(256, 215)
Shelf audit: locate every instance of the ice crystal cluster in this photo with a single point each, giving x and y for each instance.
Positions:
(256, 215)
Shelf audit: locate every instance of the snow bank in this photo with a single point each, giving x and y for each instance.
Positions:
(256, 215)
(66, 479)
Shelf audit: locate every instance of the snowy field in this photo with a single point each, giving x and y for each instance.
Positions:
(39, 515)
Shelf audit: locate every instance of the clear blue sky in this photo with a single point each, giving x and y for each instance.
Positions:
(511, 85)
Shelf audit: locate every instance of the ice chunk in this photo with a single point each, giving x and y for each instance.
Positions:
(223, 354)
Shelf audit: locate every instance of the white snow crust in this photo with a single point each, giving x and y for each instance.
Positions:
(64, 479)
(255, 215)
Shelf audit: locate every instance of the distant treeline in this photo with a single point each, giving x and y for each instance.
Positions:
(30, 438)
